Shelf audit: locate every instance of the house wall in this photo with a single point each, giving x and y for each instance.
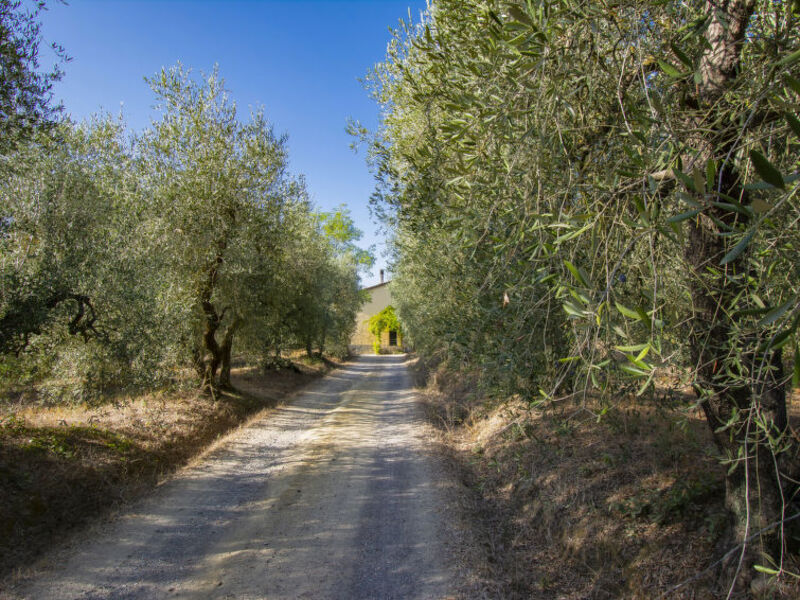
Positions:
(385, 340)
(380, 298)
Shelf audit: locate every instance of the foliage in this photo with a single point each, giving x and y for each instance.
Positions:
(25, 98)
(126, 259)
(585, 196)
(323, 307)
(75, 302)
(386, 320)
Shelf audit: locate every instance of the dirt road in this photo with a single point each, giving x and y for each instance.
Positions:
(329, 496)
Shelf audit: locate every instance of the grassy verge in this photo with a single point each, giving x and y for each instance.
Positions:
(63, 465)
(630, 506)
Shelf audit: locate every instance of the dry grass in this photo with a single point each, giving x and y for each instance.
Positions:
(63, 465)
(573, 508)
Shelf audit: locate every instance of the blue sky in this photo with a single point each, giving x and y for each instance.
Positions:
(301, 60)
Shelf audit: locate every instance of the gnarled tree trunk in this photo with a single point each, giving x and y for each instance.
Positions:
(225, 354)
(743, 409)
(209, 356)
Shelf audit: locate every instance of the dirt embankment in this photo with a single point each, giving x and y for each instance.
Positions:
(572, 507)
(63, 465)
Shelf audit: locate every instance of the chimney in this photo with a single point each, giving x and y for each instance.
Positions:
(381, 275)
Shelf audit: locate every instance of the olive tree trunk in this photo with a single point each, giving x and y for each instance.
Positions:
(209, 356)
(741, 386)
(225, 354)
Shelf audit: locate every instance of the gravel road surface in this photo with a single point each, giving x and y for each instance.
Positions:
(331, 495)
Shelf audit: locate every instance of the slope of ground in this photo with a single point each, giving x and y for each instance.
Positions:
(63, 465)
(576, 507)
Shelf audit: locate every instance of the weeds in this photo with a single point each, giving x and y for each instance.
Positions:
(691, 501)
(581, 510)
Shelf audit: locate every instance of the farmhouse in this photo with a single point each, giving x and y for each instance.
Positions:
(379, 298)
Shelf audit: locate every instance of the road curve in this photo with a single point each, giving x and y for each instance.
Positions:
(329, 496)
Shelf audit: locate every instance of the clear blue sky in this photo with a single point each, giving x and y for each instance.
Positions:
(301, 60)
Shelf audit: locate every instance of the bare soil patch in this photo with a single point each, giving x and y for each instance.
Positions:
(572, 507)
(61, 466)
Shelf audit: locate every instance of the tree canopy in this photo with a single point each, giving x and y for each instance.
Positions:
(25, 97)
(127, 258)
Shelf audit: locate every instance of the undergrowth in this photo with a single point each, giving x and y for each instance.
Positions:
(575, 507)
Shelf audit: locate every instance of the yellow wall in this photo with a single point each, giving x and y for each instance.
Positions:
(380, 298)
(385, 340)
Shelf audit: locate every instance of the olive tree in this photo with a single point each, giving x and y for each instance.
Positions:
(326, 294)
(217, 190)
(79, 291)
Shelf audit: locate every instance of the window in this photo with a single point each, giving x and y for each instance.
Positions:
(393, 338)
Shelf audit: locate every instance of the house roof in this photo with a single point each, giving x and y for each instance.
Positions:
(377, 285)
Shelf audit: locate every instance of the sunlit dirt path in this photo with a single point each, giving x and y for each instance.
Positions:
(329, 496)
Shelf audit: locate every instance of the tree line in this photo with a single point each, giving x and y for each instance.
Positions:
(594, 198)
(129, 259)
